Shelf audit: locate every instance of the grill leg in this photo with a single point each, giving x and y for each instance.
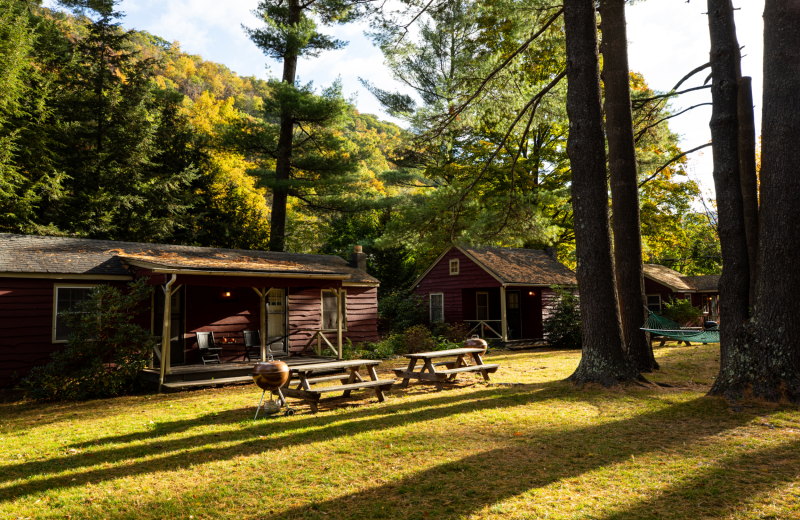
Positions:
(259, 404)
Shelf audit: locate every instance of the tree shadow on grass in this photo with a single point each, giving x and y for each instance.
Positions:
(306, 430)
(533, 463)
(466, 486)
(714, 491)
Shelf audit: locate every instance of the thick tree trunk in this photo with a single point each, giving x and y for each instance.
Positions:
(775, 327)
(283, 163)
(604, 359)
(624, 184)
(749, 179)
(734, 285)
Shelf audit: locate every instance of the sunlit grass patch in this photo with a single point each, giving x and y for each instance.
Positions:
(527, 445)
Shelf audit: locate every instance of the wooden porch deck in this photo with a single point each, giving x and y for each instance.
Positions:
(198, 373)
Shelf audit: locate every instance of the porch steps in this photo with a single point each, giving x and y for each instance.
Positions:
(205, 383)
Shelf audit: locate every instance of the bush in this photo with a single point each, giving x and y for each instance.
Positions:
(450, 332)
(680, 311)
(383, 349)
(418, 339)
(104, 352)
(563, 329)
(400, 311)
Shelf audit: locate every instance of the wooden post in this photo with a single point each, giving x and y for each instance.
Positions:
(165, 332)
(339, 323)
(503, 317)
(263, 323)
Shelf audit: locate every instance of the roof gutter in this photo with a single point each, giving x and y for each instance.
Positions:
(251, 274)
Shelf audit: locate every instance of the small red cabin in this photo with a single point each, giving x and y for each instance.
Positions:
(662, 283)
(294, 300)
(500, 292)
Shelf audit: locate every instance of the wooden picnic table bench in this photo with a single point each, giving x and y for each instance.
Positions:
(429, 374)
(301, 376)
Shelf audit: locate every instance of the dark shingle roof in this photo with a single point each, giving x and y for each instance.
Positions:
(60, 255)
(679, 282)
(708, 282)
(521, 266)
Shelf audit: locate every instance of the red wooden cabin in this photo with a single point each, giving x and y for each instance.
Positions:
(502, 293)
(293, 299)
(662, 283)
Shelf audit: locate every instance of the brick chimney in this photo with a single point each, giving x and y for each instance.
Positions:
(552, 252)
(358, 259)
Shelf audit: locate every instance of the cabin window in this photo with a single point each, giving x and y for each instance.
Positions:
(482, 305)
(65, 299)
(330, 310)
(654, 302)
(454, 266)
(437, 307)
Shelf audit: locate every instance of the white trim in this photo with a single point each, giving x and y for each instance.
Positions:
(660, 301)
(56, 287)
(68, 276)
(455, 263)
(429, 269)
(496, 277)
(430, 307)
(322, 309)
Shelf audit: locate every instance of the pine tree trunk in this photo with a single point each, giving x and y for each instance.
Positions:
(749, 179)
(624, 186)
(604, 359)
(734, 285)
(776, 324)
(283, 162)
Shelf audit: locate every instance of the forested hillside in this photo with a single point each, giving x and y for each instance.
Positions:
(116, 134)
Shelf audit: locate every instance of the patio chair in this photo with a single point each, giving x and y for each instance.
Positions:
(209, 351)
(252, 344)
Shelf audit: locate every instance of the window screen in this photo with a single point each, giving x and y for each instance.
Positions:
(66, 300)
(330, 311)
(437, 307)
(654, 302)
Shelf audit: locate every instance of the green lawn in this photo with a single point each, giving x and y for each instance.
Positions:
(539, 448)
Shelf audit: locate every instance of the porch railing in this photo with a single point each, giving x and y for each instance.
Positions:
(484, 325)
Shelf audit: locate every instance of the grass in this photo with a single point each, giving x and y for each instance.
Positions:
(537, 448)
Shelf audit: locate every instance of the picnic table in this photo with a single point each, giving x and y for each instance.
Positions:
(429, 374)
(301, 375)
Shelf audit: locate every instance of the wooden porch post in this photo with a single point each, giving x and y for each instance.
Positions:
(166, 333)
(339, 323)
(503, 316)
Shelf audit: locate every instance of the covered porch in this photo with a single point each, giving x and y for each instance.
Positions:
(299, 317)
(508, 314)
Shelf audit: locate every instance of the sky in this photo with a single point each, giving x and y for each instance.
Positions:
(668, 38)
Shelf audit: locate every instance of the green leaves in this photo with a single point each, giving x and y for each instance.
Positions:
(105, 351)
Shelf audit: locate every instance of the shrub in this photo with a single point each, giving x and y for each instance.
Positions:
(383, 349)
(563, 329)
(400, 311)
(105, 350)
(418, 339)
(680, 311)
(450, 332)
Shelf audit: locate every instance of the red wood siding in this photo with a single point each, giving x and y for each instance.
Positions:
(362, 315)
(26, 319)
(207, 312)
(652, 287)
(460, 294)
(439, 280)
(26, 323)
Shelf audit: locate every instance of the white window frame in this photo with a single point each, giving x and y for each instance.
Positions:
(660, 301)
(455, 263)
(322, 309)
(56, 287)
(430, 306)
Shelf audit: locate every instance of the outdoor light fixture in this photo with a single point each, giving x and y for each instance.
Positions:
(530, 293)
(226, 293)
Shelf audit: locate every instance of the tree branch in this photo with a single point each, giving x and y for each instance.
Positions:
(672, 161)
(643, 130)
(637, 103)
